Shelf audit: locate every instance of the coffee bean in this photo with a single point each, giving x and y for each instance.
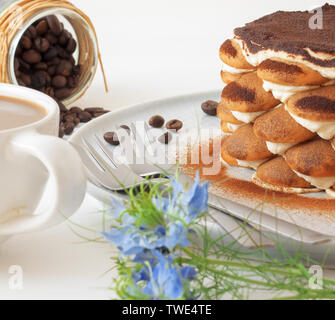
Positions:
(26, 42)
(31, 56)
(165, 138)
(72, 82)
(99, 114)
(21, 83)
(125, 127)
(54, 62)
(72, 60)
(41, 66)
(50, 91)
(41, 44)
(26, 79)
(25, 67)
(62, 107)
(69, 127)
(63, 93)
(71, 45)
(59, 82)
(111, 138)
(156, 121)
(42, 27)
(85, 116)
(51, 38)
(18, 51)
(210, 107)
(16, 64)
(62, 53)
(54, 25)
(93, 110)
(64, 68)
(61, 132)
(38, 80)
(31, 32)
(51, 70)
(69, 117)
(175, 125)
(77, 70)
(50, 54)
(76, 110)
(17, 73)
(64, 38)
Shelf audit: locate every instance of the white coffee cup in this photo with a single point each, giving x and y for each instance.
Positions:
(42, 180)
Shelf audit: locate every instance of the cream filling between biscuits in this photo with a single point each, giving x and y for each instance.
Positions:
(330, 192)
(326, 130)
(230, 69)
(257, 58)
(279, 148)
(233, 127)
(319, 182)
(247, 117)
(283, 92)
(251, 164)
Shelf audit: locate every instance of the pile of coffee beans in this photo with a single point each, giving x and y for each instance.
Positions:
(44, 59)
(70, 118)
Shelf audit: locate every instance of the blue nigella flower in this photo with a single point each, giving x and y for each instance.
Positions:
(142, 275)
(176, 235)
(165, 280)
(196, 200)
(188, 273)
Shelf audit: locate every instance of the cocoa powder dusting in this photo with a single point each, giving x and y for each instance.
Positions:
(278, 66)
(290, 32)
(234, 92)
(317, 104)
(228, 49)
(238, 189)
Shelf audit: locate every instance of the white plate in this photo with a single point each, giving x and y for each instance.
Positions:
(187, 109)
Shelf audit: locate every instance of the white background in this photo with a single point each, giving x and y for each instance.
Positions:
(151, 49)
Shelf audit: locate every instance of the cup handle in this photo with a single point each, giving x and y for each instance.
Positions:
(65, 188)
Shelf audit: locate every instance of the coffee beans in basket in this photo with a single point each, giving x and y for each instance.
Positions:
(210, 107)
(44, 59)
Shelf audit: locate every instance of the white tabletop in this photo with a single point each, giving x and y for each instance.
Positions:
(151, 49)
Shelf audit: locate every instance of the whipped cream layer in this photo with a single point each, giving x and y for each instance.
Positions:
(256, 59)
(279, 148)
(326, 130)
(233, 127)
(247, 117)
(331, 192)
(230, 69)
(283, 92)
(319, 182)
